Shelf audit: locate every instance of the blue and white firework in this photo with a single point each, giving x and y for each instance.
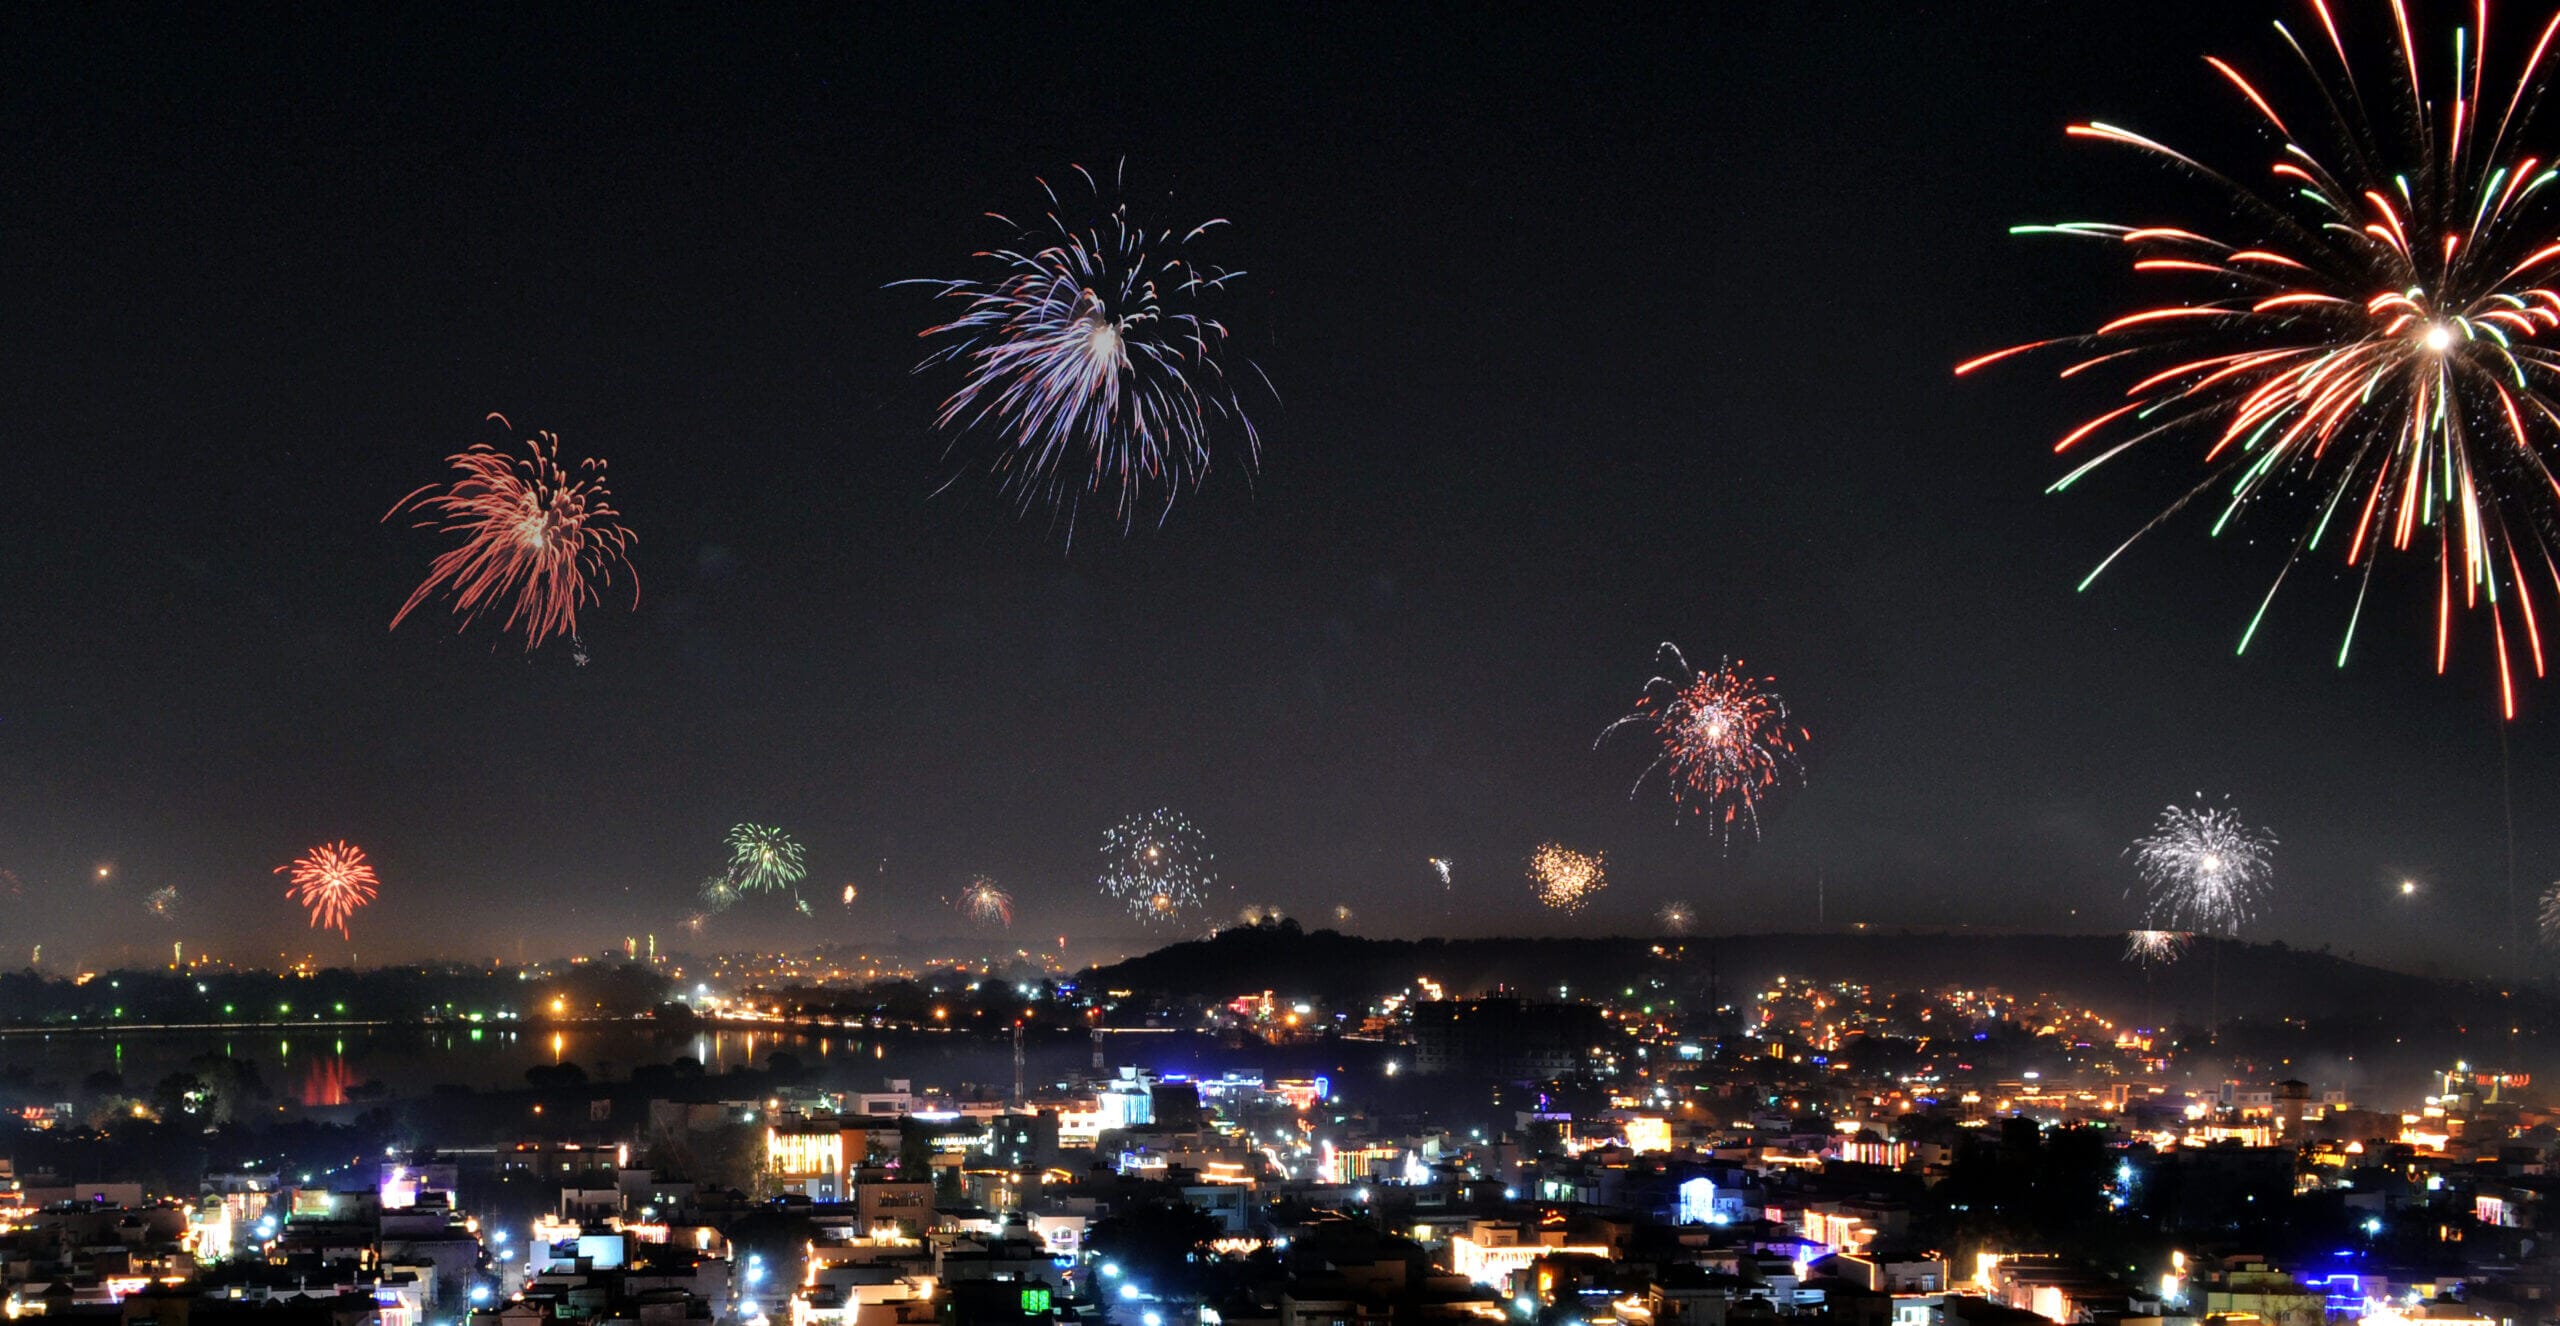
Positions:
(1087, 351)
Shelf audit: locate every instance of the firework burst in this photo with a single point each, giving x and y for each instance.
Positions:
(2367, 339)
(1440, 868)
(1158, 866)
(2205, 867)
(162, 903)
(1087, 351)
(332, 881)
(1723, 742)
(1342, 914)
(1564, 879)
(763, 859)
(2549, 916)
(2154, 947)
(1675, 918)
(538, 538)
(985, 904)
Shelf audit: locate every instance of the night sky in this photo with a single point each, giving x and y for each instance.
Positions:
(1586, 337)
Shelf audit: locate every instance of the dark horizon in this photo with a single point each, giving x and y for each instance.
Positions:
(1585, 339)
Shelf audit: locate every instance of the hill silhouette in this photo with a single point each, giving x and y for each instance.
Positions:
(2217, 980)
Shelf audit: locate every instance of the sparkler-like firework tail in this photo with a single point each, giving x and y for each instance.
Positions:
(2549, 916)
(1158, 866)
(2206, 869)
(982, 902)
(1564, 879)
(2154, 947)
(332, 881)
(2371, 336)
(1088, 351)
(538, 539)
(1723, 741)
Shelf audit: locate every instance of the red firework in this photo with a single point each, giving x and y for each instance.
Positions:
(333, 881)
(1725, 742)
(537, 537)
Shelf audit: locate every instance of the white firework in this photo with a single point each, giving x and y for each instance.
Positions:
(2206, 869)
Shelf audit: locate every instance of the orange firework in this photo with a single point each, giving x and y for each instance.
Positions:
(2364, 335)
(1564, 879)
(333, 881)
(537, 538)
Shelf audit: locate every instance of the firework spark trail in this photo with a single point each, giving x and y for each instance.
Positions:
(1723, 741)
(1440, 868)
(1564, 879)
(537, 538)
(2373, 338)
(2206, 869)
(2154, 947)
(333, 881)
(1088, 350)
(2549, 916)
(1158, 866)
(982, 902)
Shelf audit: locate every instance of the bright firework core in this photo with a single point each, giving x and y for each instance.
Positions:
(2439, 337)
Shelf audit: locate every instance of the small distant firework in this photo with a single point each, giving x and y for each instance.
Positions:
(1441, 866)
(2365, 339)
(696, 921)
(2206, 869)
(333, 881)
(1342, 913)
(162, 902)
(985, 904)
(1565, 879)
(2154, 948)
(1675, 918)
(1723, 742)
(851, 893)
(11, 886)
(762, 859)
(2550, 915)
(1087, 350)
(1158, 866)
(718, 893)
(537, 538)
